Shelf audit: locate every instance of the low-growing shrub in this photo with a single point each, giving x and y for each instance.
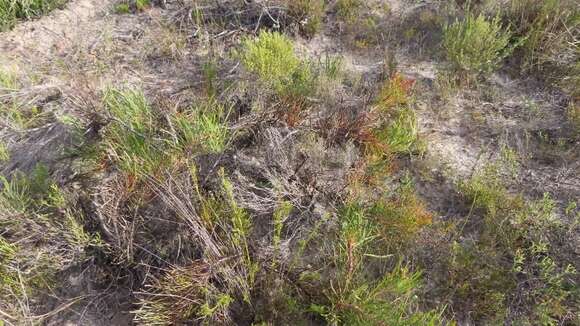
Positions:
(400, 217)
(271, 56)
(394, 93)
(308, 13)
(512, 247)
(354, 298)
(476, 44)
(397, 131)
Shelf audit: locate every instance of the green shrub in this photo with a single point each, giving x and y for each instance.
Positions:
(309, 14)
(355, 298)
(122, 8)
(271, 56)
(141, 4)
(13, 10)
(476, 44)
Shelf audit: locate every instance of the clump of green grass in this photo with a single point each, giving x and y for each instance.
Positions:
(141, 142)
(122, 8)
(396, 131)
(142, 4)
(128, 6)
(13, 10)
(203, 128)
(476, 45)
(271, 56)
(309, 14)
(131, 138)
(401, 134)
(332, 67)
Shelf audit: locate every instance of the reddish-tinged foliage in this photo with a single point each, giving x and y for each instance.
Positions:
(395, 92)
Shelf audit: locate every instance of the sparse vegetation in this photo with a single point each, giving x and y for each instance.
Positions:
(550, 33)
(512, 248)
(34, 210)
(17, 115)
(309, 14)
(224, 162)
(348, 9)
